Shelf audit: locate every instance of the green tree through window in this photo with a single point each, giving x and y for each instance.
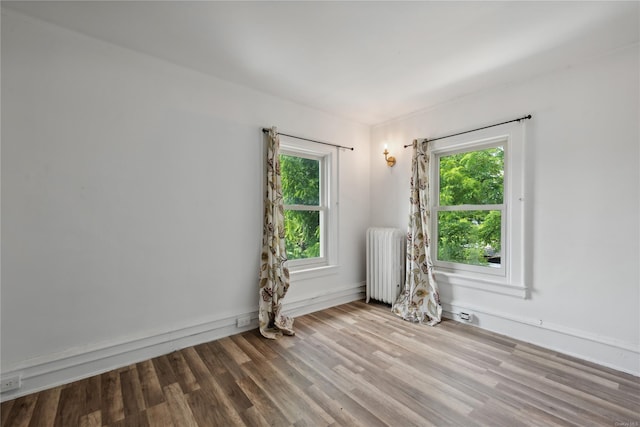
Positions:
(471, 206)
(302, 200)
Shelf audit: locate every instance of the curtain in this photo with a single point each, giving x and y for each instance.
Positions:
(274, 275)
(419, 300)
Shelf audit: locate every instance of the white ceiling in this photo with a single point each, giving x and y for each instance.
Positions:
(368, 61)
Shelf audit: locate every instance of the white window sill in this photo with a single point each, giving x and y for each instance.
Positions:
(482, 282)
(305, 273)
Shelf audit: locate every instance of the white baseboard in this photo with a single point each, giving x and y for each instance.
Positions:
(605, 351)
(54, 370)
(324, 300)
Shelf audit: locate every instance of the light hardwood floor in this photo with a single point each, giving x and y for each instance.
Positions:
(351, 365)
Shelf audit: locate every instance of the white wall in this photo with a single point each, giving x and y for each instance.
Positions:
(583, 205)
(132, 203)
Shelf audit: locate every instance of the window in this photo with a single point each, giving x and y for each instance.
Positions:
(470, 212)
(477, 199)
(307, 181)
(302, 206)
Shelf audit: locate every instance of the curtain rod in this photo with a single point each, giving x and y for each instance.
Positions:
(265, 130)
(473, 130)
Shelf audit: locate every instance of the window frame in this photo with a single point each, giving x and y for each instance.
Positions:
(437, 208)
(510, 279)
(327, 206)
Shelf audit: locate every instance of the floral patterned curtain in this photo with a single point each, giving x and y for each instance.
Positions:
(419, 300)
(274, 275)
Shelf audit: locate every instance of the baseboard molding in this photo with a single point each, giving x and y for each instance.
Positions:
(54, 370)
(322, 300)
(605, 351)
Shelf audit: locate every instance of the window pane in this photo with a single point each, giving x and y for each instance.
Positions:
(470, 237)
(302, 234)
(472, 178)
(300, 180)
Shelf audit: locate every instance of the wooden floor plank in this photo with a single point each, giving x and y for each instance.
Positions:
(5, 410)
(92, 419)
(183, 374)
(112, 407)
(229, 364)
(212, 362)
(251, 351)
(132, 397)
(71, 404)
(234, 351)
(159, 416)
(254, 418)
(352, 365)
(208, 414)
(220, 392)
(21, 411)
(559, 397)
(285, 396)
(46, 407)
(335, 407)
(151, 388)
(93, 391)
(136, 420)
(263, 403)
(164, 371)
(178, 406)
(331, 384)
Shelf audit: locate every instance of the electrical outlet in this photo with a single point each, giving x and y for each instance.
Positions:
(241, 322)
(465, 317)
(10, 383)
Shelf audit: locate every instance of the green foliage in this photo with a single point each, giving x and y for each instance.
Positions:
(302, 234)
(300, 180)
(301, 186)
(468, 237)
(471, 178)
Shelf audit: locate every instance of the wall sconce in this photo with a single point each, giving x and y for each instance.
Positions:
(391, 161)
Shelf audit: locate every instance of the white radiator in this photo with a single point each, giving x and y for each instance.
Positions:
(386, 249)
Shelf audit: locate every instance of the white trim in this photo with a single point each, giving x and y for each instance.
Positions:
(313, 273)
(458, 208)
(510, 278)
(616, 354)
(445, 149)
(483, 282)
(41, 373)
(327, 156)
(324, 299)
(308, 208)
